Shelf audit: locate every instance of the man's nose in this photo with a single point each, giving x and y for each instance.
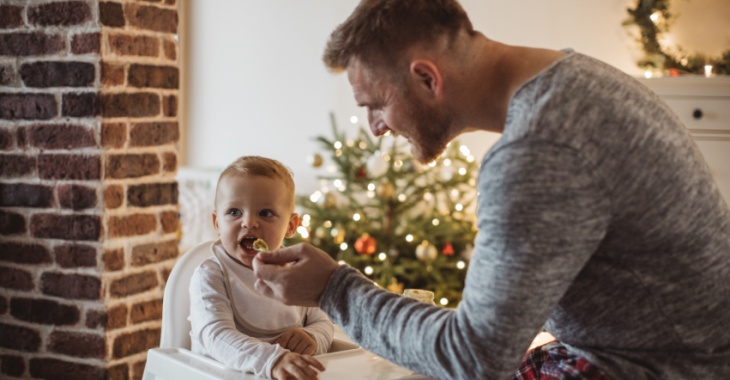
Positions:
(376, 126)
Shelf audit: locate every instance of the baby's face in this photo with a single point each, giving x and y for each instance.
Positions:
(252, 207)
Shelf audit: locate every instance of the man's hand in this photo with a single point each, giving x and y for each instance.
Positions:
(294, 366)
(300, 281)
(297, 340)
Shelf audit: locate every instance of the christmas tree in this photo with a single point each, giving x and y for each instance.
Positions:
(403, 224)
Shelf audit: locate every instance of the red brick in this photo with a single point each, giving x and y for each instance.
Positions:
(151, 17)
(120, 166)
(25, 195)
(113, 135)
(169, 106)
(6, 140)
(8, 76)
(71, 286)
(60, 13)
(76, 344)
(14, 278)
(69, 166)
(19, 338)
(137, 104)
(146, 311)
(132, 225)
(133, 284)
(10, 16)
(121, 372)
(80, 104)
(113, 196)
(153, 76)
(61, 136)
(77, 197)
(109, 319)
(135, 342)
(34, 43)
(12, 365)
(75, 256)
(170, 221)
(113, 259)
(86, 43)
(112, 75)
(154, 134)
(152, 194)
(58, 74)
(43, 311)
(3, 305)
(24, 253)
(124, 44)
(111, 14)
(169, 162)
(11, 223)
(66, 227)
(21, 137)
(154, 253)
(47, 368)
(27, 106)
(170, 49)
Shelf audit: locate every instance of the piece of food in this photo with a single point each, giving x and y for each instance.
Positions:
(260, 245)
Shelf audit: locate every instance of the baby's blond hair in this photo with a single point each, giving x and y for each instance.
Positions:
(259, 166)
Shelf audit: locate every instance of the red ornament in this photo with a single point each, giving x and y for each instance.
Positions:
(448, 250)
(361, 173)
(365, 245)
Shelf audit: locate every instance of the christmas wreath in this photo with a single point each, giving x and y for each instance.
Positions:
(653, 19)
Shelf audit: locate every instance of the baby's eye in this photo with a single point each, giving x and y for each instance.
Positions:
(266, 213)
(234, 212)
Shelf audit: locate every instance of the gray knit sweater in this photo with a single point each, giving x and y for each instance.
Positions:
(599, 220)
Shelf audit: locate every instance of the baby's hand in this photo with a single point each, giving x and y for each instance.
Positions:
(297, 340)
(298, 367)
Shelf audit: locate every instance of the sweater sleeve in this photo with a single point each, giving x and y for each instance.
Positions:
(541, 214)
(320, 328)
(213, 326)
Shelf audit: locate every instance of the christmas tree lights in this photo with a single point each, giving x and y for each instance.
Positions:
(403, 224)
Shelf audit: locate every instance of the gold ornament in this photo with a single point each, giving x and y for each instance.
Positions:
(386, 190)
(426, 251)
(330, 201)
(395, 286)
(315, 160)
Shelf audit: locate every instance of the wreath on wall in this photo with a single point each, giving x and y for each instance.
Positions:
(653, 19)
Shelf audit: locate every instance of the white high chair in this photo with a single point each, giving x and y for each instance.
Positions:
(174, 360)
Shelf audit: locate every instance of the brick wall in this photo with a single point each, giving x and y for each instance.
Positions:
(88, 198)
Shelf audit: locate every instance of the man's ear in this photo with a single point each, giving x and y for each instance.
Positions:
(294, 222)
(427, 76)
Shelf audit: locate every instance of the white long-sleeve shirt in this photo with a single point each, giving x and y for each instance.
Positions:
(234, 324)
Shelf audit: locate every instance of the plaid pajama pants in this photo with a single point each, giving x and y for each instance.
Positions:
(552, 361)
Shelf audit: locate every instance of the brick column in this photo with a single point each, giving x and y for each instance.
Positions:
(88, 198)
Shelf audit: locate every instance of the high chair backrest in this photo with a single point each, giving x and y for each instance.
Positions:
(176, 299)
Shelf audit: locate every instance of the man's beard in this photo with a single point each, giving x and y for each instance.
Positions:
(431, 132)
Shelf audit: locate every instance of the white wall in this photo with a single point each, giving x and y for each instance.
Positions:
(256, 84)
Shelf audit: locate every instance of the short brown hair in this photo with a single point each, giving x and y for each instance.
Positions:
(378, 31)
(259, 166)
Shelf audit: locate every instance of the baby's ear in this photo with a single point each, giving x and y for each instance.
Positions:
(294, 222)
(215, 221)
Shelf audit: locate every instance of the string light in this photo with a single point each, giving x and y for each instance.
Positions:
(356, 217)
(460, 264)
(382, 256)
(409, 238)
(342, 262)
(444, 302)
(368, 270)
(303, 232)
(435, 222)
(337, 145)
(327, 224)
(316, 196)
(343, 247)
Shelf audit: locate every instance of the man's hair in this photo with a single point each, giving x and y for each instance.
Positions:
(379, 31)
(259, 166)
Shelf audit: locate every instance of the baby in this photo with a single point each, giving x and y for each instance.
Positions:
(231, 322)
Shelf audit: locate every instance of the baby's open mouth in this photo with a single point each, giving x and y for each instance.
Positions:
(247, 243)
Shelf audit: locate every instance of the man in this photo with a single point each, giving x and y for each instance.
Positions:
(598, 218)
